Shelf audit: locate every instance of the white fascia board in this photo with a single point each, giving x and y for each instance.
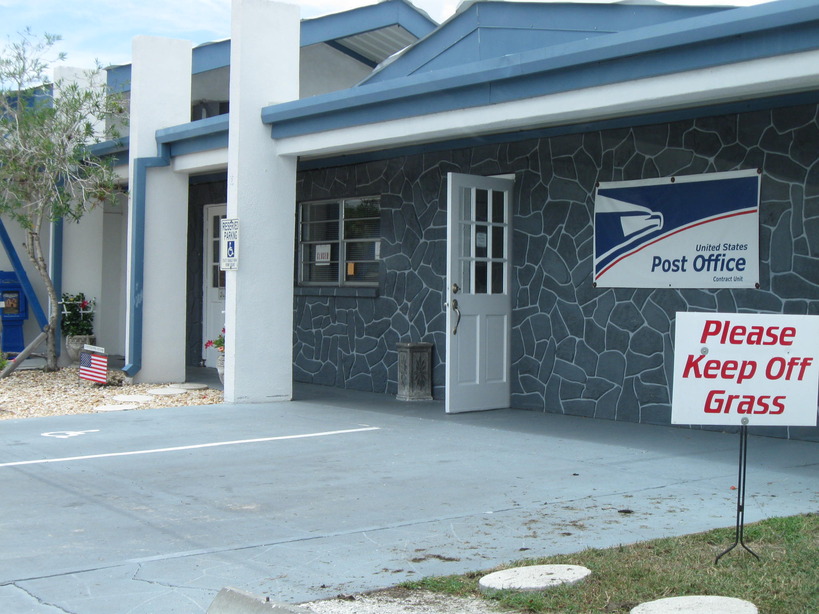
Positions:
(202, 161)
(780, 75)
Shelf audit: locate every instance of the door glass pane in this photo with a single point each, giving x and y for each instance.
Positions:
(481, 278)
(217, 277)
(498, 243)
(498, 208)
(481, 206)
(498, 277)
(466, 240)
(466, 206)
(481, 241)
(466, 277)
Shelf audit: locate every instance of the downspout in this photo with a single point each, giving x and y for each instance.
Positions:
(133, 363)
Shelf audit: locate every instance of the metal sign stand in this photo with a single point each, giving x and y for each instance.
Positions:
(743, 462)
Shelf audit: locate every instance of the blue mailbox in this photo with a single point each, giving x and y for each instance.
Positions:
(15, 312)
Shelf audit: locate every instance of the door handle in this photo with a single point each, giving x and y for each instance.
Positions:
(458, 312)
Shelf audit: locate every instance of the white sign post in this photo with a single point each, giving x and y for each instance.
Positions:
(229, 245)
(745, 369)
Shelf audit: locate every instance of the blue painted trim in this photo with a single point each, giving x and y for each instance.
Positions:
(201, 127)
(210, 56)
(133, 352)
(28, 290)
(202, 135)
(110, 148)
(513, 137)
(350, 53)
(731, 36)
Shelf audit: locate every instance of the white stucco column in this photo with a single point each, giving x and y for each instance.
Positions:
(160, 97)
(261, 194)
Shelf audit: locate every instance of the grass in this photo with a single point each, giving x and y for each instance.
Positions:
(784, 581)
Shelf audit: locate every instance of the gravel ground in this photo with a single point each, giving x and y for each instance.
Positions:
(34, 393)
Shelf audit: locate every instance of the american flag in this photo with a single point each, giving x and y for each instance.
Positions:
(94, 367)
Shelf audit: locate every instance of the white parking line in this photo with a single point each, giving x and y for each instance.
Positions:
(43, 461)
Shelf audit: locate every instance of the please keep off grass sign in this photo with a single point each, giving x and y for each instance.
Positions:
(759, 367)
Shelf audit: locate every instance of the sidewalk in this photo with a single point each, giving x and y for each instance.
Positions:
(154, 511)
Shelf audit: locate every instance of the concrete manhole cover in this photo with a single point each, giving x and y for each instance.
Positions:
(191, 386)
(167, 392)
(122, 407)
(133, 398)
(697, 604)
(533, 578)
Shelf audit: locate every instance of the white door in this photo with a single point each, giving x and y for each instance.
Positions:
(213, 308)
(479, 304)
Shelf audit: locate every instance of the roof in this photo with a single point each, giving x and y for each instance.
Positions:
(708, 40)
(368, 34)
(488, 29)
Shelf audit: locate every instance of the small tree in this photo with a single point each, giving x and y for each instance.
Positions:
(46, 169)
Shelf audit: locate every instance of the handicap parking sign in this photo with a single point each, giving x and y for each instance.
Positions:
(229, 245)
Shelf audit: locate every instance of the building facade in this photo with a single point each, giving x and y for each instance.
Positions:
(350, 191)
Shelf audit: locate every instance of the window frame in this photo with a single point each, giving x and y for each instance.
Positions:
(341, 241)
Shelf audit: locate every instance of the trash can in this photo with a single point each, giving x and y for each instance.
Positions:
(414, 372)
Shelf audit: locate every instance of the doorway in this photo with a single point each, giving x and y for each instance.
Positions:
(213, 307)
(479, 302)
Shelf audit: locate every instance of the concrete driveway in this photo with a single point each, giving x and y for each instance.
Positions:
(154, 511)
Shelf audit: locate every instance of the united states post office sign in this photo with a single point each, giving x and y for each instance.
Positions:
(696, 231)
(756, 369)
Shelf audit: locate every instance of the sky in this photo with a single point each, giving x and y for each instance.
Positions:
(101, 30)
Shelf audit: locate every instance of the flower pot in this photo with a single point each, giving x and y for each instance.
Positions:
(74, 345)
(220, 367)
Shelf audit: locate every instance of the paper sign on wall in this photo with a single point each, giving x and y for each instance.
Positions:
(729, 367)
(323, 252)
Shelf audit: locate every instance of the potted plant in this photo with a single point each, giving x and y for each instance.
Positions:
(77, 324)
(218, 344)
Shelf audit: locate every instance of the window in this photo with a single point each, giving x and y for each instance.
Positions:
(340, 242)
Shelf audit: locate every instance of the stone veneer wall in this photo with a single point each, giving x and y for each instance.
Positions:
(603, 353)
